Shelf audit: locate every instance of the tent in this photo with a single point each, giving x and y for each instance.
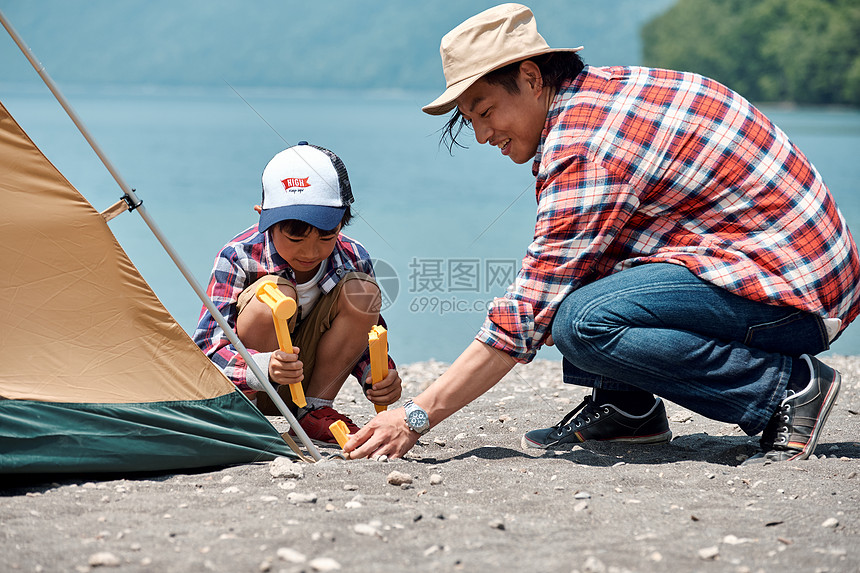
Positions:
(95, 375)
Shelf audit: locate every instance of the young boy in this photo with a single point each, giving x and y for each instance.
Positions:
(297, 244)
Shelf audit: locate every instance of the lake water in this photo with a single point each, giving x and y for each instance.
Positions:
(450, 229)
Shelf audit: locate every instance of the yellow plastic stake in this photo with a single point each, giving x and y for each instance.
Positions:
(340, 432)
(283, 307)
(377, 341)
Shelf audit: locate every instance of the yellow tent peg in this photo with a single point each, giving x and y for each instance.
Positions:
(377, 341)
(283, 307)
(340, 432)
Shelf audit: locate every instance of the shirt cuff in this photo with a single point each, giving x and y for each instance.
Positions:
(262, 360)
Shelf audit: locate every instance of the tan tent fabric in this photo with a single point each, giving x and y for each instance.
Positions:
(77, 321)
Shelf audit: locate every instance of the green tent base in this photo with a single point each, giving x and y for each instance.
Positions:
(41, 437)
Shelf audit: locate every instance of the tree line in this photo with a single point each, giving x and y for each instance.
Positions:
(802, 51)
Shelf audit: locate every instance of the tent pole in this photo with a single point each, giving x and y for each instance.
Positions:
(135, 204)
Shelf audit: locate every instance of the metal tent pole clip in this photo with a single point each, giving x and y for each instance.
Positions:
(132, 200)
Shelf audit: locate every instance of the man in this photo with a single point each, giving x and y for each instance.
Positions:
(683, 247)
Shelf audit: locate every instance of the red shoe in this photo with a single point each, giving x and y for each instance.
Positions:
(316, 422)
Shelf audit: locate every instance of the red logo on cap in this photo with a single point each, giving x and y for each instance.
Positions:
(292, 182)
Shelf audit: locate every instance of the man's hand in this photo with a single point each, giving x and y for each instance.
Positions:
(285, 368)
(473, 373)
(385, 392)
(386, 434)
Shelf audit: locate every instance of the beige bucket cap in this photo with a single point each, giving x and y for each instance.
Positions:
(485, 42)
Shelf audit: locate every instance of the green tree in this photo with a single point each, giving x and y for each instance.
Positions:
(804, 51)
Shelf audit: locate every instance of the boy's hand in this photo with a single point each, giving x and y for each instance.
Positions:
(385, 392)
(285, 368)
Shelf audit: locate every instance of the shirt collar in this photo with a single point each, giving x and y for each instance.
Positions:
(559, 103)
(337, 264)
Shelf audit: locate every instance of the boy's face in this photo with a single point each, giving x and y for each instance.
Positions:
(304, 253)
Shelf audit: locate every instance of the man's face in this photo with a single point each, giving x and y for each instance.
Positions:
(511, 122)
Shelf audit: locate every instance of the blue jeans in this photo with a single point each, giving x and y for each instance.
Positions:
(659, 328)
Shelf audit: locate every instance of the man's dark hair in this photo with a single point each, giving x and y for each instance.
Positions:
(298, 228)
(556, 68)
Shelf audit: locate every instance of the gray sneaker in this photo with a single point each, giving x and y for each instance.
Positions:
(605, 423)
(793, 431)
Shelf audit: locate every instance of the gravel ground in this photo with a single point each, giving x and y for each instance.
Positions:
(468, 498)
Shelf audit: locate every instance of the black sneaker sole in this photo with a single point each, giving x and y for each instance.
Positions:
(661, 438)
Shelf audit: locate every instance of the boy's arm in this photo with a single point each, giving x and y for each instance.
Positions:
(225, 285)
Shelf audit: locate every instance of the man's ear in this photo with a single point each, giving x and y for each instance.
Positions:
(530, 73)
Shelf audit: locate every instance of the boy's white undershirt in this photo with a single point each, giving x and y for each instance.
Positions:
(310, 292)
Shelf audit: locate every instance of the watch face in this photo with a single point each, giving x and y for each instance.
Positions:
(417, 418)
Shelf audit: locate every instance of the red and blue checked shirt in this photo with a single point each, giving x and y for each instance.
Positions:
(640, 165)
(246, 258)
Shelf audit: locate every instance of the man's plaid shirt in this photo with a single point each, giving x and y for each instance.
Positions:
(246, 258)
(640, 165)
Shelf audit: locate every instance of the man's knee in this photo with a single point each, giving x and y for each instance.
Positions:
(583, 326)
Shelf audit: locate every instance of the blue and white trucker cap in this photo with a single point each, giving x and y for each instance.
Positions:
(308, 183)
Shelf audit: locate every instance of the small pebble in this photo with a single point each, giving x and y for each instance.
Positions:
(709, 553)
(593, 565)
(104, 559)
(399, 478)
(435, 479)
(290, 555)
(365, 529)
(286, 468)
(296, 497)
(497, 524)
(582, 495)
(830, 522)
(324, 564)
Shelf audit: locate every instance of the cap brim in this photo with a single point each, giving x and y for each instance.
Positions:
(321, 217)
(445, 102)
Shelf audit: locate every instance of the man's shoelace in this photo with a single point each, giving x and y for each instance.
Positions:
(588, 409)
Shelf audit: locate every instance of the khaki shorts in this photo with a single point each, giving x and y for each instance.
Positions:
(305, 331)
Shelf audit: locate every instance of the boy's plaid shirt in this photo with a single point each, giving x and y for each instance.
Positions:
(246, 258)
(640, 165)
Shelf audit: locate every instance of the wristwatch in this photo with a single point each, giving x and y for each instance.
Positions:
(416, 418)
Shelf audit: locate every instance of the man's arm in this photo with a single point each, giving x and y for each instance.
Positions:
(477, 370)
